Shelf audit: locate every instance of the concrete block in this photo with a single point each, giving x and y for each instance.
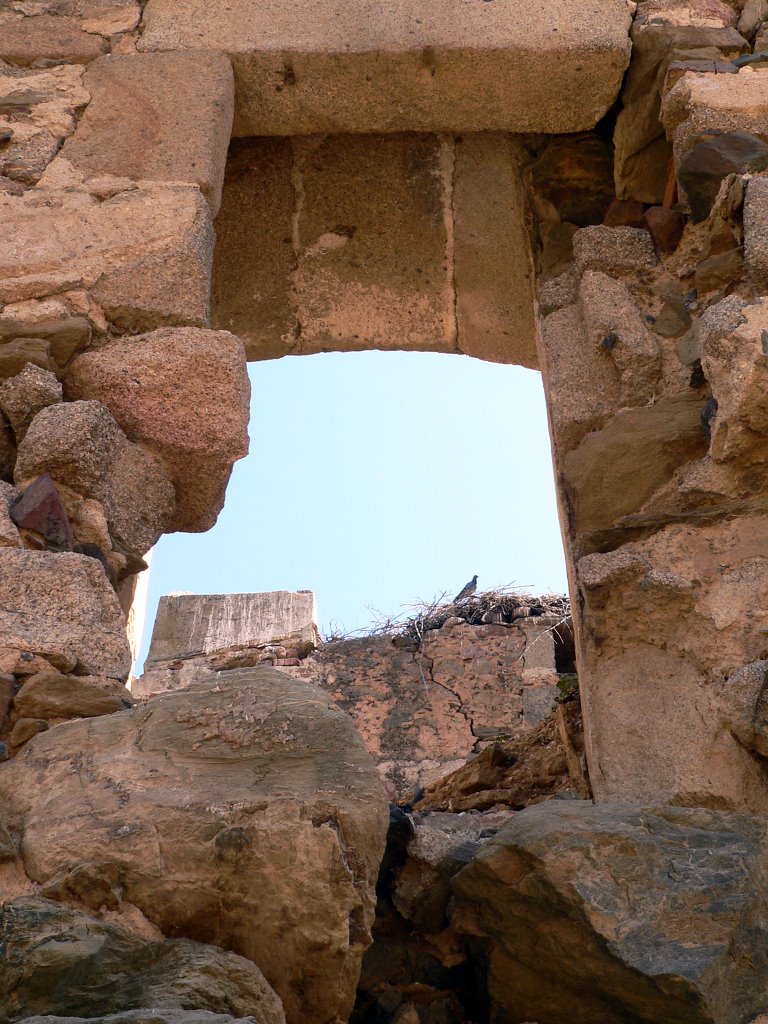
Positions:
(156, 117)
(191, 624)
(143, 254)
(493, 264)
(307, 66)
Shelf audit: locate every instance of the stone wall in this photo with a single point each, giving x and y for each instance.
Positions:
(617, 151)
(424, 706)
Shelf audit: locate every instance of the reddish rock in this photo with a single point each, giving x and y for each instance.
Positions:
(25, 40)
(666, 228)
(54, 695)
(624, 213)
(23, 396)
(25, 729)
(41, 509)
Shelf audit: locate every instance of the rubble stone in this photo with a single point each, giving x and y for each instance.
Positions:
(65, 962)
(25, 40)
(613, 251)
(183, 394)
(40, 509)
(61, 606)
(53, 695)
(23, 396)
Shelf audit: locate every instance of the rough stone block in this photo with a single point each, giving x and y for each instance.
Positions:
(156, 117)
(756, 233)
(493, 264)
(81, 446)
(23, 396)
(613, 251)
(25, 40)
(191, 624)
(307, 67)
(184, 394)
(143, 254)
(61, 607)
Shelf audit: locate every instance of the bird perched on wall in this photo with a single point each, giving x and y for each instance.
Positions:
(466, 591)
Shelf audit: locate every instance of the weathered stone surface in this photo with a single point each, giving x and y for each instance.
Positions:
(37, 111)
(613, 251)
(581, 380)
(25, 40)
(342, 242)
(493, 264)
(191, 624)
(743, 706)
(24, 729)
(375, 274)
(617, 469)
(156, 117)
(264, 803)
(735, 365)
(49, 320)
(15, 355)
(23, 396)
(305, 69)
(143, 254)
(755, 12)
(756, 233)
(81, 446)
(9, 534)
(720, 271)
(184, 394)
(614, 324)
(254, 261)
(713, 157)
(40, 509)
(62, 607)
(614, 913)
(62, 962)
(53, 695)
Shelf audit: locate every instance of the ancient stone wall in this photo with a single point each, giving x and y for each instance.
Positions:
(399, 176)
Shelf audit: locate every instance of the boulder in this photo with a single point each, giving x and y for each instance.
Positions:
(61, 607)
(23, 396)
(614, 913)
(184, 394)
(712, 158)
(61, 963)
(245, 813)
(81, 446)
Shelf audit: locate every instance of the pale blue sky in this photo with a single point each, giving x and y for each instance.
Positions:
(378, 480)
